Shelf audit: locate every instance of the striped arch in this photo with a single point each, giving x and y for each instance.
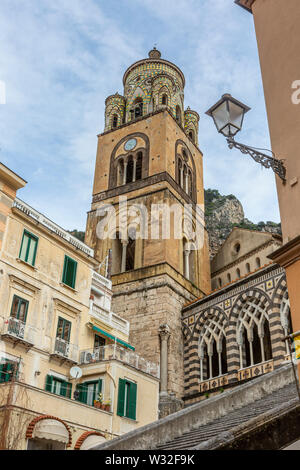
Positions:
(281, 312)
(258, 302)
(215, 320)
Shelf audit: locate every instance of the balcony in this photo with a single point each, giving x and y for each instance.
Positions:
(18, 332)
(112, 351)
(109, 318)
(65, 351)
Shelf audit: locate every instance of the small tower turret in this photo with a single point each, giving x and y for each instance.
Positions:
(191, 124)
(114, 111)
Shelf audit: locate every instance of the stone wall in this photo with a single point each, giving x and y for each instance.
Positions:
(147, 304)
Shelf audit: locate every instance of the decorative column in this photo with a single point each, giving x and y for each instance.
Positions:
(125, 172)
(124, 254)
(134, 168)
(262, 347)
(186, 182)
(250, 339)
(186, 263)
(219, 350)
(181, 177)
(164, 333)
(210, 355)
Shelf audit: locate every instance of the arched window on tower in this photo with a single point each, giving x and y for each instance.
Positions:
(120, 172)
(139, 166)
(116, 254)
(248, 268)
(129, 172)
(164, 99)
(130, 251)
(178, 115)
(191, 135)
(137, 110)
(114, 121)
(258, 263)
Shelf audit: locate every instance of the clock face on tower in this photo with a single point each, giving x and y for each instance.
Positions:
(130, 144)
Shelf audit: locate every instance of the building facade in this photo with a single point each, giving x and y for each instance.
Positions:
(278, 58)
(56, 315)
(148, 163)
(236, 333)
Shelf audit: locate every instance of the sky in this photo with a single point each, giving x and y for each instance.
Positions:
(60, 59)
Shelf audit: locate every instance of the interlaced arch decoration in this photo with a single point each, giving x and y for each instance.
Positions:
(210, 334)
(250, 317)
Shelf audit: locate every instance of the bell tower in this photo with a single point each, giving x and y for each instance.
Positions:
(148, 172)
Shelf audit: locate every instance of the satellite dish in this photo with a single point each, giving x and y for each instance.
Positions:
(76, 372)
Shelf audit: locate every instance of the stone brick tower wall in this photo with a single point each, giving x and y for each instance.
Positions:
(147, 158)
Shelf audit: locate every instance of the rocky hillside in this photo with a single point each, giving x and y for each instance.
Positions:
(222, 213)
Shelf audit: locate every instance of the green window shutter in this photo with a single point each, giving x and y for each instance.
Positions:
(99, 388)
(131, 403)
(63, 390)
(28, 248)
(83, 393)
(121, 397)
(49, 381)
(4, 376)
(69, 272)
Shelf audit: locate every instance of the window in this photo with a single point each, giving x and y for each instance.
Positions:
(58, 386)
(7, 370)
(258, 263)
(238, 273)
(63, 329)
(178, 115)
(63, 332)
(28, 248)
(229, 277)
(19, 308)
(89, 391)
(115, 121)
(164, 100)
(99, 344)
(69, 272)
(127, 399)
(248, 269)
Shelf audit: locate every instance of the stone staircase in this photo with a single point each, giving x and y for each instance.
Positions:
(226, 425)
(263, 413)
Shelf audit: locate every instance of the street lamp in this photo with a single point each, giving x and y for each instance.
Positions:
(228, 115)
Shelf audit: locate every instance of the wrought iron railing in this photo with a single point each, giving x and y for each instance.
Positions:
(19, 330)
(65, 349)
(113, 351)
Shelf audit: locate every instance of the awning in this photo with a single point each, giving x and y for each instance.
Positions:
(51, 429)
(114, 338)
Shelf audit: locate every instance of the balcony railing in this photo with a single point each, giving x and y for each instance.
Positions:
(110, 318)
(17, 329)
(65, 350)
(112, 351)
